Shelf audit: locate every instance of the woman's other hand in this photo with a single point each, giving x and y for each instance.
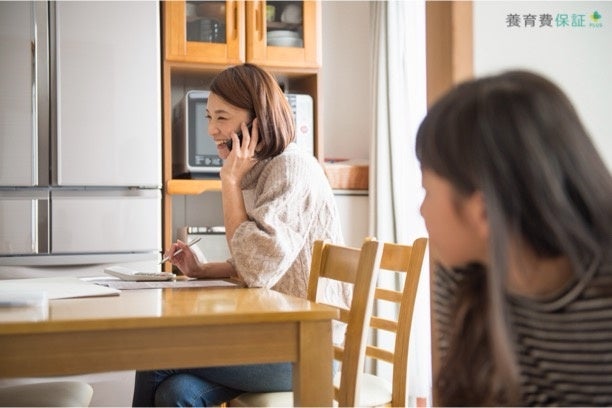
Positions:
(186, 261)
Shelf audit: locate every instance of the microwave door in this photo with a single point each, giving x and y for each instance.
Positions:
(24, 222)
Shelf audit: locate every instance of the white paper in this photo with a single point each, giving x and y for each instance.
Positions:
(191, 283)
(59, 287)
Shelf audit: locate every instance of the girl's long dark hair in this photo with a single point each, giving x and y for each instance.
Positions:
(516, 138)
(250, 87)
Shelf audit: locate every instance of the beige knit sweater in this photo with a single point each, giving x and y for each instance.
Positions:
(290, 204)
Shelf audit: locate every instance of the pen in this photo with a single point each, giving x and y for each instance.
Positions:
(181, 250)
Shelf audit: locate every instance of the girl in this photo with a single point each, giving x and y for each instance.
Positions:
(518, 207)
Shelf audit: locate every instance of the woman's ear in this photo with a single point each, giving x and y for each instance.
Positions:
(476, 212)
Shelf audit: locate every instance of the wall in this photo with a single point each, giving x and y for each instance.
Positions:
(346, 79)
(578, 59)
(347, 119)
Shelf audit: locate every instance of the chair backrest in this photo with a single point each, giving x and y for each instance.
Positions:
(360, 268)
(405, 261)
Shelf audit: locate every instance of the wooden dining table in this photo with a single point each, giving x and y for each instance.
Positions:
(177, 328)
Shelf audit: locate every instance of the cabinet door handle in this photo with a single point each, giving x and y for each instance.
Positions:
(260, 16)
(235, 30)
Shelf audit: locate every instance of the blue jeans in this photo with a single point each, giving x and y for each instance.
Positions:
(209, 386)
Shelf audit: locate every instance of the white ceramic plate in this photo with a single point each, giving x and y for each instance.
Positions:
(286, 42)
(282, 33)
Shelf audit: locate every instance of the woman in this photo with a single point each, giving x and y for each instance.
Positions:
(276, 202)
(518, 207)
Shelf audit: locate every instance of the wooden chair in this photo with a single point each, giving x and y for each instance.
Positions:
(47, 394)
(406, 262)
(372, 390)
(350, 265)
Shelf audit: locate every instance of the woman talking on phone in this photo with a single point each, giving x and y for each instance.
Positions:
(276, 202)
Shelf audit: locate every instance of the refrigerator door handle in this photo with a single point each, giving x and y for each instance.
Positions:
(40, 226)
(40, 94)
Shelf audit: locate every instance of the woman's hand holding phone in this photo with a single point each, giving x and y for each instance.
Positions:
(242, 158)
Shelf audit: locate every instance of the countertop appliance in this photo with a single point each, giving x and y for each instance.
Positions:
(80, 132)
(194, 151)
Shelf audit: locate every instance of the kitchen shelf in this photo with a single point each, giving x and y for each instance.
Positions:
(191, 187)
(212, 69)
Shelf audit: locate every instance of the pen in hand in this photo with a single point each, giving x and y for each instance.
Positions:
(180, 250)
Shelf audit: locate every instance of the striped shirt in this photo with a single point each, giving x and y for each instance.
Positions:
(563, 344)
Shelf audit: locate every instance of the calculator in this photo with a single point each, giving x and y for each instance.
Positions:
(128, 274)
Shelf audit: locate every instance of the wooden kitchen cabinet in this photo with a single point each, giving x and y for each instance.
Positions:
(274, 33)
(268, 42)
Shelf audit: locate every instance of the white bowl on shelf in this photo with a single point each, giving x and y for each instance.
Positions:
(286, 42)
(282, 34)
(292, 13)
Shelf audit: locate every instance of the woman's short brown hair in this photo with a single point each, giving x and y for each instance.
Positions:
(250, 87)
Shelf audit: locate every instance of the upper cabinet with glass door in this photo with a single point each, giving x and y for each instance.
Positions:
(284, 34)
(210, 32)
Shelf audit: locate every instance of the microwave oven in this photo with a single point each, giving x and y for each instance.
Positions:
(195, 152)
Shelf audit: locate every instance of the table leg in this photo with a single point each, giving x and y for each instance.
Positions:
(312, 373)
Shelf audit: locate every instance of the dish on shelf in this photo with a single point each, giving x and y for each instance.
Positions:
(286, 42)
(292, 13)
(282, 34)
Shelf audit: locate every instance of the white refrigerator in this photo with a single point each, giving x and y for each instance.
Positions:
(80, 132)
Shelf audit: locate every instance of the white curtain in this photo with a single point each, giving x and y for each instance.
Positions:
(399, 105)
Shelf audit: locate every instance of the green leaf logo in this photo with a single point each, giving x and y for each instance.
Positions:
(595, 16)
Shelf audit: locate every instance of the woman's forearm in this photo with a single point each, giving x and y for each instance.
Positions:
(234, 210)
(217, 270)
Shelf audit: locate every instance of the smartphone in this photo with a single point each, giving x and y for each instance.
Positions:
(230, 142)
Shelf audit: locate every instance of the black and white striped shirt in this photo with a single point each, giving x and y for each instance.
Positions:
(564, 344)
